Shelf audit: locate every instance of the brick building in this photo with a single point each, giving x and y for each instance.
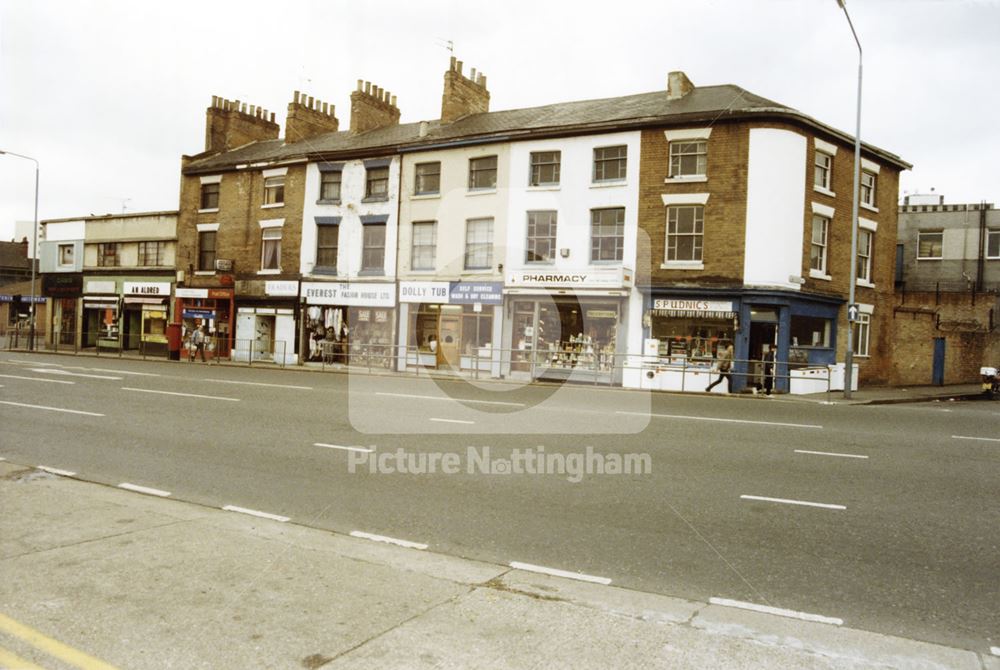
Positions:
(947, 301)
(709, 202)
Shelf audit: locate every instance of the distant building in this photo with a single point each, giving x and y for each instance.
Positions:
(15, 265)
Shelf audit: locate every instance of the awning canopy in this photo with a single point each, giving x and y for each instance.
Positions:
(693, 314)
(144, 301)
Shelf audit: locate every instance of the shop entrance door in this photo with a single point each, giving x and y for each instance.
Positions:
(264, 338)
(448, 348)
(763, 337)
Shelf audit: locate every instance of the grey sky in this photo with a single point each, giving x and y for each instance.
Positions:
(108, 95)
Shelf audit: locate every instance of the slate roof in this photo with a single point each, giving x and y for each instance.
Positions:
(703, 104)
(12, 257)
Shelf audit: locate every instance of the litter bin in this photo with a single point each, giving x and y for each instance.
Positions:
(174, 341)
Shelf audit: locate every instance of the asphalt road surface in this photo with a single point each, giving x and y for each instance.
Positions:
(887, 517)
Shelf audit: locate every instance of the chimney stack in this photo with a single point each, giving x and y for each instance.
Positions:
(229, 125)
(463, 95)
(678, 85)
(372, 108)
(308, 117)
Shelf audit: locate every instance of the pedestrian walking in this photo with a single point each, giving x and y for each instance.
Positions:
(198, 340)
(724, 363)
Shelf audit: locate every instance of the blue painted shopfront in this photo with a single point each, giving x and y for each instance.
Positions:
(802, 327)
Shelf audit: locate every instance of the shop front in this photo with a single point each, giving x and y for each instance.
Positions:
(101, 315)
(349, 323)
(567, 326)
(210, 309)
(265, 322)
(65, 291)
(124, 314)
(781, 340)
(450, 325)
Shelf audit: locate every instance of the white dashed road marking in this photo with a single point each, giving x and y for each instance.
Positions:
(38, 379)
(337, 446)
(56, 471)
(579, 576)
(50, 409)
(719, 420)
(183, 395)
(969, 437)
(434, 397)
(766, 609)
(452, 421)
(67, 373)
(387, 540)
(828, 453)
(278, 386)
(144, 489)
(253, 512)
(794, 502)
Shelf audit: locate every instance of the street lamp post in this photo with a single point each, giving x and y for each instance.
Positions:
(849, 371)
(34, 251)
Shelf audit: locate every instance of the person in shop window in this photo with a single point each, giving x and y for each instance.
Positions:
(724, 364)
(769, 370)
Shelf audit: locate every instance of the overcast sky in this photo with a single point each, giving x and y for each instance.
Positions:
(108, 95)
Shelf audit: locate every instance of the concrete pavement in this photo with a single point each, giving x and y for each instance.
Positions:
(136, 581)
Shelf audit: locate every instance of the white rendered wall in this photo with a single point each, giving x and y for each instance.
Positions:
(775, 226)
(350, 209)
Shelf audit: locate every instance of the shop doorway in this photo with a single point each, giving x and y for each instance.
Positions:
(132, 329)
(263, 346)
(763, 339)
(448, 346)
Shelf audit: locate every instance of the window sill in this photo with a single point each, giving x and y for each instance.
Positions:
(864, 283)
(824, 191)
(540, 264)
(609, 184)
(426, 196)
(210, 210)
(481, 191)
(870, 208)
(682, 265)
(544, 187)
(273, 205)
(376, 199)
(693, 179)
(816, 274)
(423, 271)
(324, 271)
(472, 271)
(327, 202)
(372, 273)
(930, 258)
(269, 272)
(204, 273)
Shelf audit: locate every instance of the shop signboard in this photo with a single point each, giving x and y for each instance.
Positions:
(100, 286)
(191, 292)
(436, 292)
(349, 294)
(153, 289)
(280, 288)
(475, 293)
(199, 313)
(694, 307)
(62, 285)
(552, 278)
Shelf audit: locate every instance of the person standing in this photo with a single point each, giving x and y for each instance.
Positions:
(769, 370)
(724, 361)
(198, 339)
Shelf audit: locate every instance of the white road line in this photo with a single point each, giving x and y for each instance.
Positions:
(560, 573)
(794, 502)
(144, 489)
(705, 418)
(388, 540)
(184, 395)
(337, 446)
(828, 453)
(968, 437)
(253, 512)
(766, 609)
(51, 409)
(995, 651)
(26, 362)
(122, 372)
(55, 471)
(434, 397)
(67, 373)
(451, 421)
(278, 386)
(38, 379)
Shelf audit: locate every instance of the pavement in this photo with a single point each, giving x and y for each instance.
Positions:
(99, 577)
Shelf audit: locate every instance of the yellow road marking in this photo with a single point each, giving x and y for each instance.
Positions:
(9, 661)
(52, 647)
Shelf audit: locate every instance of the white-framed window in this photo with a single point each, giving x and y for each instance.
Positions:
(993, 243)
(545, 168)
(823, 170)
(329, 185)
(373, 250)
(818, 246)
(66, 253)
(422, 255)
(540, 245)
(206, 250)
(152, 253)
(862, 333)
(610, 163)
(607, 234)
(688, 158)
(427, 178)
(930, 244)
(685, 232)
(274, 190)
(483, 173)
(210, 195)
(327, 247)
(479, 244)
(377, 183)
(108, 255)
(864, 268)
(868, 188)
(270, 248)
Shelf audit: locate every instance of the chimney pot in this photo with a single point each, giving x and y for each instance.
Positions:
(359, 84)
(472, 75)
(324, 107)
(678, 85)
(272, 117)
(310, 103)
(458, 65)
(451, 67)
(295, 97)
(393, 101)
(368, 87)
(423, 129)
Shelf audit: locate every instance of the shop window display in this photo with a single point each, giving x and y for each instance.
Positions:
(565, 335)
(350, 335)
(450, 335)
(690, 339)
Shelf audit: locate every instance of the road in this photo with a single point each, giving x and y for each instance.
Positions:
(901, 536)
